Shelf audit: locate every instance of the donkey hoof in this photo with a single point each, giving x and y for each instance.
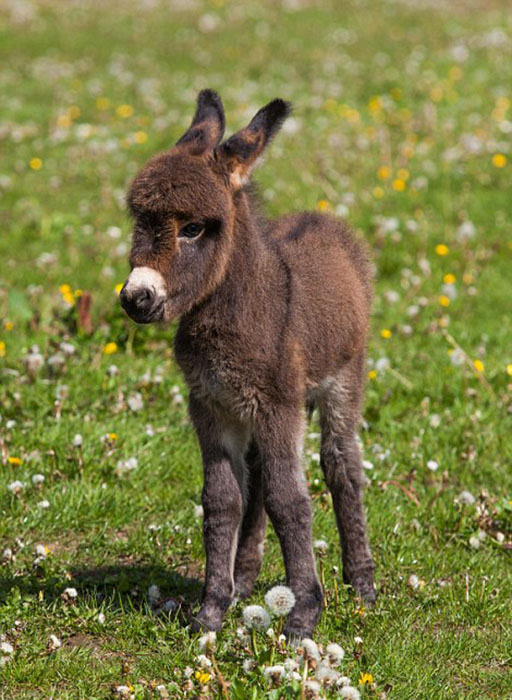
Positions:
(202, 624)
(364, 587)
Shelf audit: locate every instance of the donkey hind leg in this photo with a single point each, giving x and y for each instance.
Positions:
(339, 406)
(250, 545)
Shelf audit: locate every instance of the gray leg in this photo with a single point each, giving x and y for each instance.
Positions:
(222, 500)
(288, 505)
(250, 546)
(341, 462)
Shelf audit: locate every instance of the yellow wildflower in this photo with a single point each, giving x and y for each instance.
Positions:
(398, 185)
(3, 350)
(74, 112)
(323, 205)
(499, 160)
(65, 289)
(442, 249)
(372, 374)
(478, 365)
(359, 611)
(386, 333)
(102, 103)
(140, 137)
(110, 348)
(403, 174)
(384, 172)
(449, 278)
(64, 121)
(124, 111)
(365, 678)
(375, 104)
(117, 288)
(509, 369)
(444, 300)
(78, 293)
(202, 677)
(112, 436)
(15, 461)
(36, 163)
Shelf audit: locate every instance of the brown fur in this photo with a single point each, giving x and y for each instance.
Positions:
(273, 314)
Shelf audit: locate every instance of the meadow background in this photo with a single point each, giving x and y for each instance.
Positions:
(402, 124)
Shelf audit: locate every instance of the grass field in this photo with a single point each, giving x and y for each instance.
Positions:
(402, 124)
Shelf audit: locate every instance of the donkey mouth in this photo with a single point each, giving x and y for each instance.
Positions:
(152, 315)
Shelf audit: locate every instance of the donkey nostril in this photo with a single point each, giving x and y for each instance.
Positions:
(143, 299)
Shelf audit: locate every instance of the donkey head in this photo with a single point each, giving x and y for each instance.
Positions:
(184, 207)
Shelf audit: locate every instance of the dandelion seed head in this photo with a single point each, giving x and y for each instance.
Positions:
(6, 648)
(256, 617)
(466, 498)
(207, 641)
(335, 654)
(326, 675)
(350, 693)
(310, 649)
(274, 672)
(280, 600)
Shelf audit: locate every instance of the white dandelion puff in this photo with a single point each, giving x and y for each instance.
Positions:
(71, 593)
(154, 594)
(207, 641)
(54, 643)
(280, 600)
(310, 649)
(349, 693)
(204, 661)
(326, 675)
(275, 673)
(6, 648)
(256, 617)
(466, 498)
(334, 654)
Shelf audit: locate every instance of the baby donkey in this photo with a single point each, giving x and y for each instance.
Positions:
(273, 319)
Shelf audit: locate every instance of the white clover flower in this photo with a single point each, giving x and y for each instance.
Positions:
(207, 641)
(6, 648)
(310, 649)
(334, 654)
(37, 479)
(280, 600)
(54, 643)
(274, 672)
(350, 693)
(466, 498)
(16, 487)
(256, 617)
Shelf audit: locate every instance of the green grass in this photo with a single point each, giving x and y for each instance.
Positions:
(422, 87)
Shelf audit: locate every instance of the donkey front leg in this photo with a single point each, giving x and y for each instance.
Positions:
(288, 505)
(250, 546)
(222, 500)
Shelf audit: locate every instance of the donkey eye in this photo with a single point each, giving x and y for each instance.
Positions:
(192, 230)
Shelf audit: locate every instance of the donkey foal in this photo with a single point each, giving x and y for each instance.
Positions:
(273, 316)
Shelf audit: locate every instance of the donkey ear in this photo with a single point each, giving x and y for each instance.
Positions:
(207, 128)
(241, 151)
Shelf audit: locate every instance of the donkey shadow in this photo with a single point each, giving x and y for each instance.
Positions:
(115, 586)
